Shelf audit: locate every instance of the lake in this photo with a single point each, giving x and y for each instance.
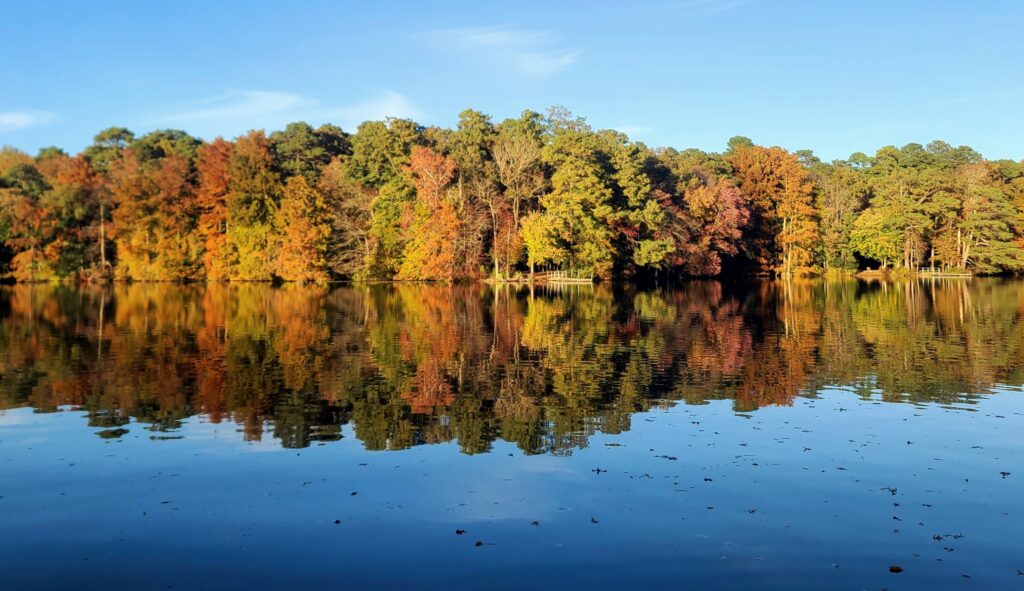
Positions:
(745, 435)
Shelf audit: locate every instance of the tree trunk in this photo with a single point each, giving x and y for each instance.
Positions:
(103, 240)
(785, 247)
(494, 241)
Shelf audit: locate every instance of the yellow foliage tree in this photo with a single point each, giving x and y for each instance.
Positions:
(301, 232)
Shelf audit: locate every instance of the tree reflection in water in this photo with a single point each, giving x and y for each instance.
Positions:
(544, 368)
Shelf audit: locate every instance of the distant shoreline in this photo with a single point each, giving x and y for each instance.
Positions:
(866, 274)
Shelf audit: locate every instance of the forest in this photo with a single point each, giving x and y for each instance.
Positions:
(400, 201)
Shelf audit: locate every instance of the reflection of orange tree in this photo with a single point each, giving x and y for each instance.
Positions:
(441, 336)
(149, 360)
(299, 334)
(276, 339)
(784, 360)
(36, 367)
(211, 342)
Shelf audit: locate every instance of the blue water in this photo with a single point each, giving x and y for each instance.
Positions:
(124, 487)
(827, 493)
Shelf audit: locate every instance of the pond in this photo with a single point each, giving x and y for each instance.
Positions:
(744, 435)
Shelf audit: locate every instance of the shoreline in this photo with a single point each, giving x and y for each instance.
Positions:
(867, 274)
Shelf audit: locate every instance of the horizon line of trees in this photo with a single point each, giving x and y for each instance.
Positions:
(397, 200)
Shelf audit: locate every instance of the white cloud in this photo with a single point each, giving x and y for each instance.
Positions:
(534, 53)
(239, 104)
(633, 131)
(240, 110)
(15, 120)
(386, 104)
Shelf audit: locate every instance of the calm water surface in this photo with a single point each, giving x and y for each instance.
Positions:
(772, 435)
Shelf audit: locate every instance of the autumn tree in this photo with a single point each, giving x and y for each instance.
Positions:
(301, 230)
(254, 188)
(541, 242)
(154, 219)
(81, 198)
(470, 146)
(840, 194)
(213, 166)
(705, 214)
(784, 232)
(350, 212)
(380, 153)
(24, 227)
(433, 226)
(51, 220)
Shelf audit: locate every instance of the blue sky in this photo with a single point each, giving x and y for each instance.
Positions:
(835, 77)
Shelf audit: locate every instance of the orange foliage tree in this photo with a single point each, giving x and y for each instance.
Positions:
(301, 229)
(211, 200)
(433, 225)
(154, 218)
(784, 229)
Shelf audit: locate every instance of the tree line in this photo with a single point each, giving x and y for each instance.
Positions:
(397, 200)
(411, 364)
